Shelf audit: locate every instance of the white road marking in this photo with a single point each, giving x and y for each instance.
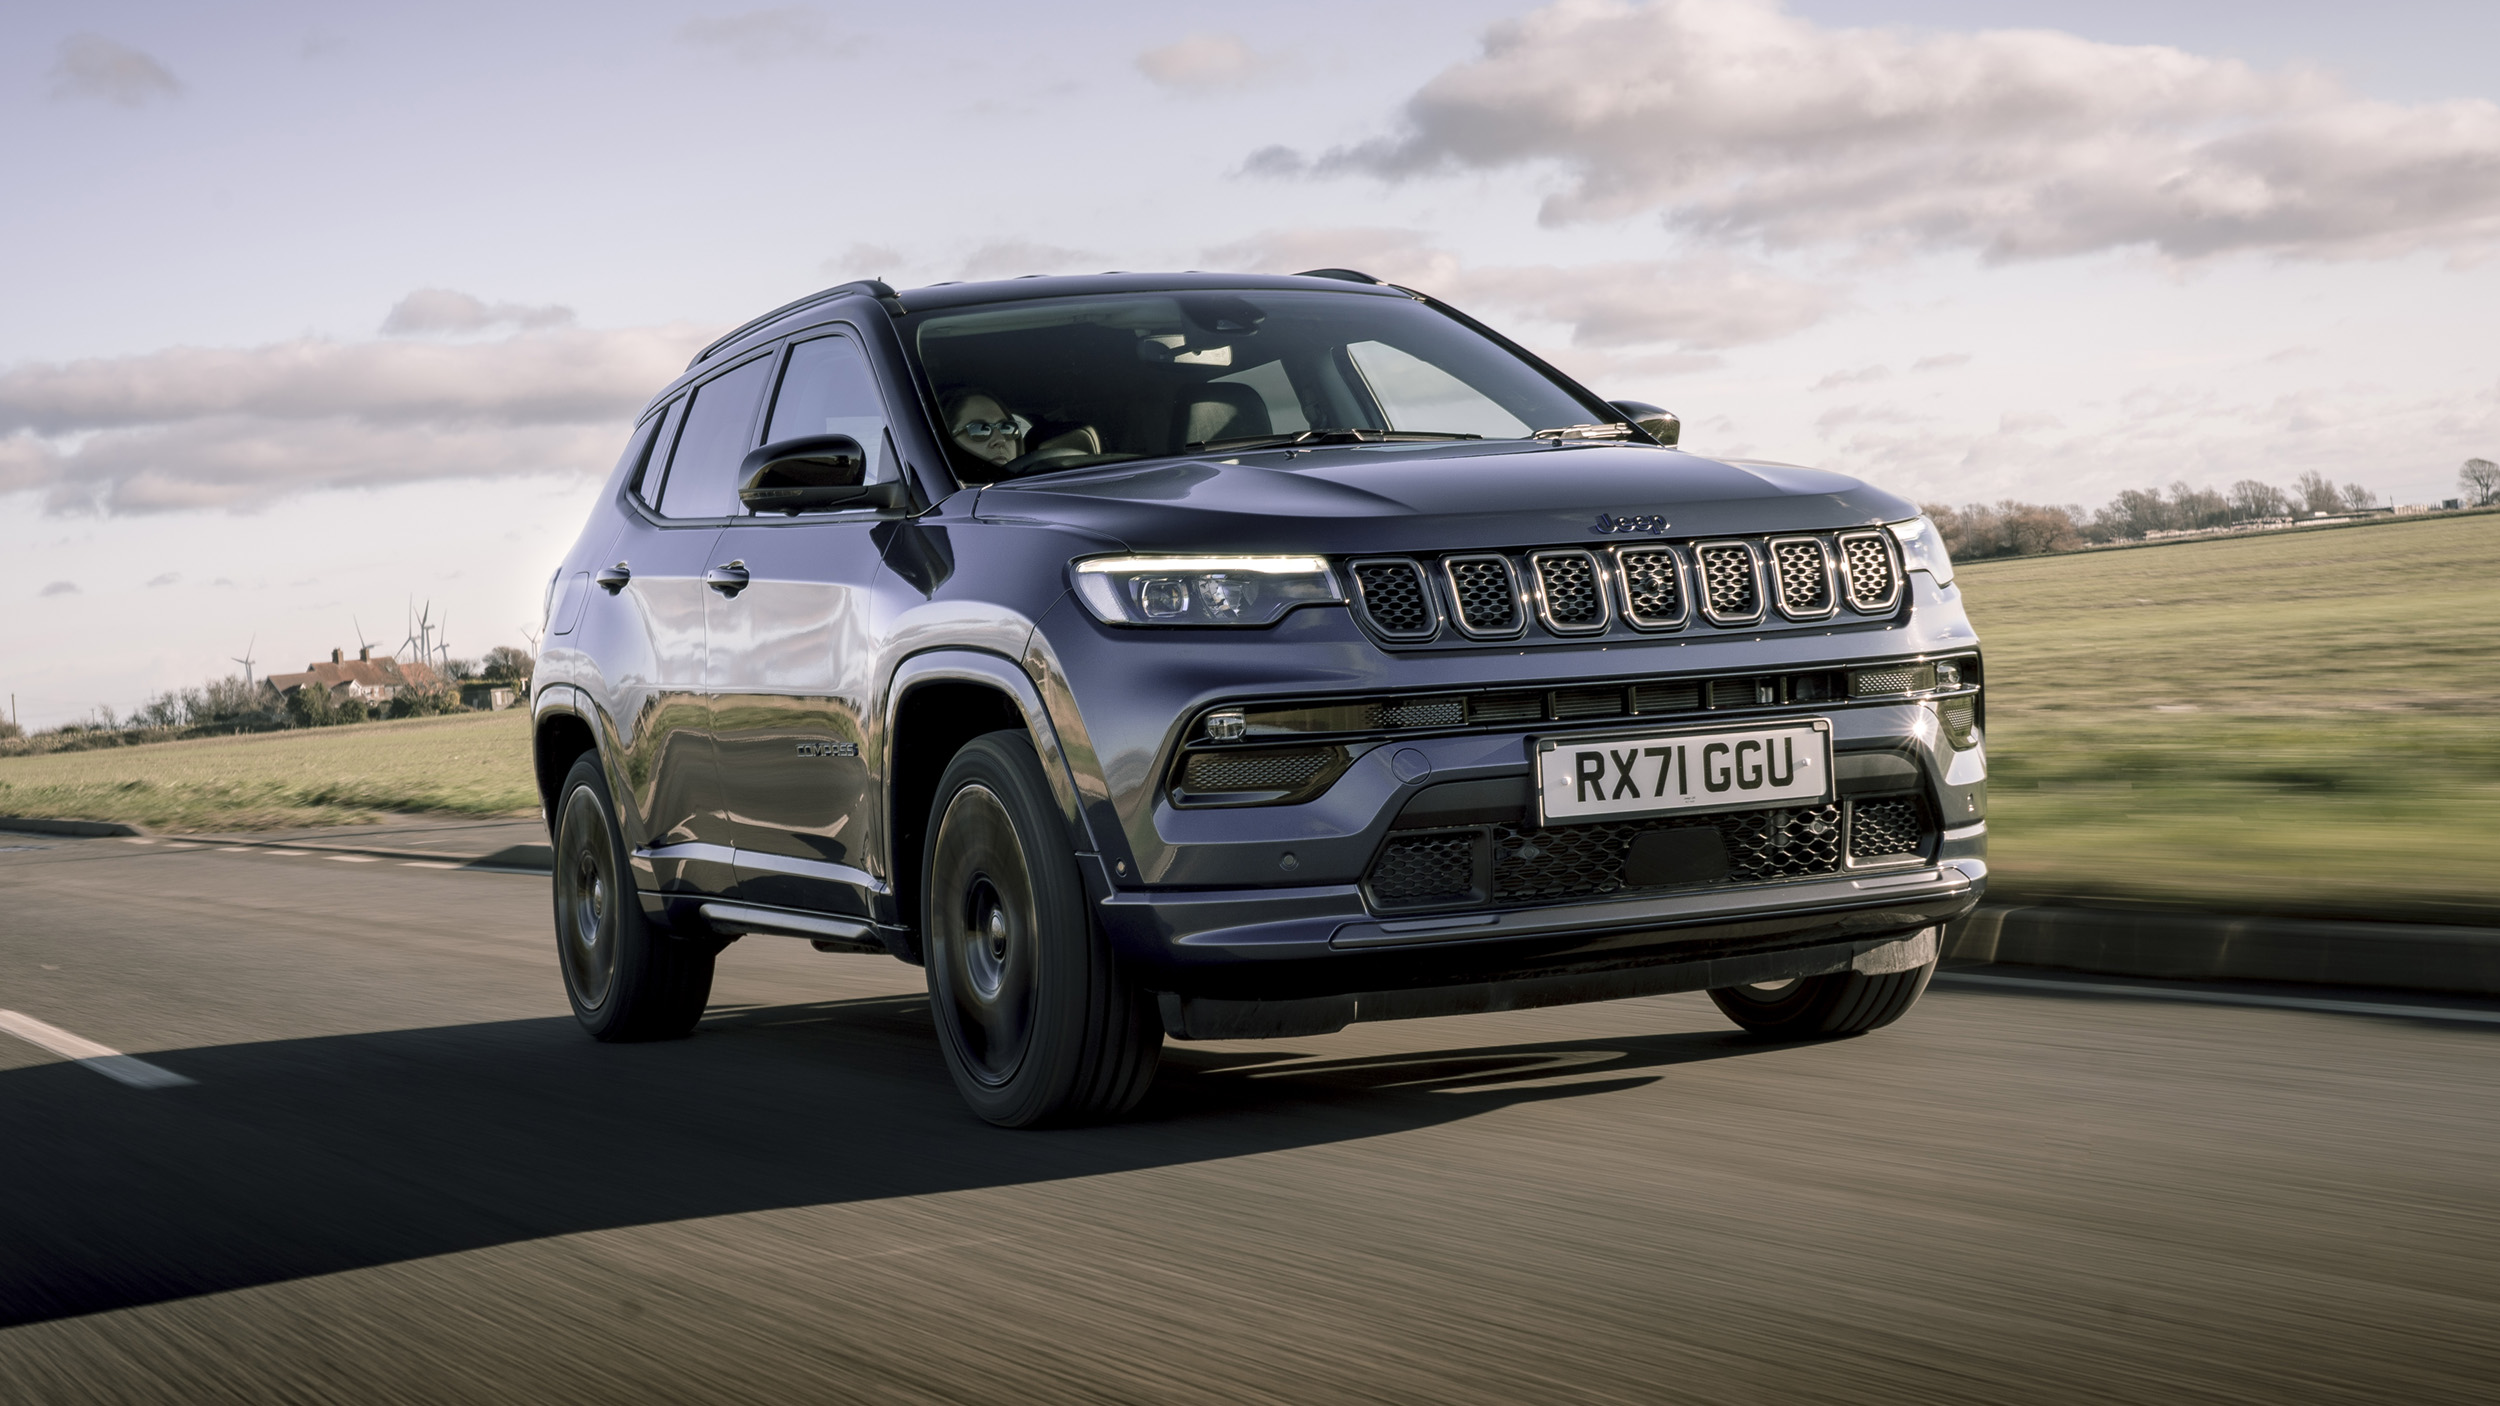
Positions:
(353, 858)
(137, 840)
(238, 849)
(2226, 998)
(425, 864)
(285, 853)
(104, 1060)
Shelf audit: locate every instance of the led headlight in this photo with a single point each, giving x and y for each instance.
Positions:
(1923, 548)
(1203, 590)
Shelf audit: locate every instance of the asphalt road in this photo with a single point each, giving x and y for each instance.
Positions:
(400, 1173)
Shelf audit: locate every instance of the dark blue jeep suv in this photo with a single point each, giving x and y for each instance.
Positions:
(1216, 656)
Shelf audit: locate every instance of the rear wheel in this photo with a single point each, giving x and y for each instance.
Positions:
(1036, 1019)
(1823, 1007)
(626, 980)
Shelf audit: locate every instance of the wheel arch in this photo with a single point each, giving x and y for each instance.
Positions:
(937, 702)
(560, 734)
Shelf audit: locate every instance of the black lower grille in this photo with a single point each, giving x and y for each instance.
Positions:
(1526, 864)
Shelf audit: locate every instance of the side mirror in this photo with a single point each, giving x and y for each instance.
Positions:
(1660, 425)
(812, 474)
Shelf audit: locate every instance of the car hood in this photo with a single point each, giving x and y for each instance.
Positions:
(1406, 497)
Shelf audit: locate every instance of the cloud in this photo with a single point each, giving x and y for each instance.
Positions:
(1203, 62)
(92, 66)
(1705, 302)
(195, 427)
(444, 310)
(762, 36)
(1734, 119)
(1945, 362)
(59, 588)
(1011, 258)
(164, 579)
(866, 261)
(1858, 377)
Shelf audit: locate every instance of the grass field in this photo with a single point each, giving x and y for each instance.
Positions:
(474, 764)
(2300, 722)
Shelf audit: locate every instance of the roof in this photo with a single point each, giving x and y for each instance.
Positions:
(371, 673)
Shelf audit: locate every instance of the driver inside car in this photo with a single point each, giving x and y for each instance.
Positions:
(985, 429)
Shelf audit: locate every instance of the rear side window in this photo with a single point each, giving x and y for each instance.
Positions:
(654, 466)
(720, 429)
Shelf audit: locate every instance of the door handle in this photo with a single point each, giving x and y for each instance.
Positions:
(612, 579)
(729, 578)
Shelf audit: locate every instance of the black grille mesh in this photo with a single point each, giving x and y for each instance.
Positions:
(1653, 587)
(1961, 722)
(1871, 578)
(1426, 869)
(1256, 771)
(1728, 588)
(1426, 712)
(1805, 584)
(1393, 596)
(1488, 602)
(1886, 827)
(1573, 600)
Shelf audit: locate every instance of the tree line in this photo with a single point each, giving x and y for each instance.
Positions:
(2009, 528)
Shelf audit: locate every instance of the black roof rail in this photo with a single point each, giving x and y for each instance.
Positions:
(1341, 275)
(874, 288)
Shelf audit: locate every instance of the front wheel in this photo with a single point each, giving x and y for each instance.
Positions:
(626, 980)
(1824, 1007)
(1036, 1019)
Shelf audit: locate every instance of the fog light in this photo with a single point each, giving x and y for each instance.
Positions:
(1227, 727)
(1948, 675)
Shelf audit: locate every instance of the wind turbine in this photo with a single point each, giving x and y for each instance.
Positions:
(246, 661)
(362, 644)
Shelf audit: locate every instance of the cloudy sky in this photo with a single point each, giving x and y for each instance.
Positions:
(315, 311)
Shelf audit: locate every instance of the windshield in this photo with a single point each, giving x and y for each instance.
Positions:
(1062, 383)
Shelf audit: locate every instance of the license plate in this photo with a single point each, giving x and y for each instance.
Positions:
(1622, 778)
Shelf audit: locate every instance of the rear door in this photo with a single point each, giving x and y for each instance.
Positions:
(792, 662)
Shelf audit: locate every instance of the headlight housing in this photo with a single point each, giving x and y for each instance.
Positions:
(1923, 548)
(1203, 590)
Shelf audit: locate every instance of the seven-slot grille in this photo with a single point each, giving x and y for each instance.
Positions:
(1486, 595)
(1866, 564)
(1571, 592)
(1653, 586)
(1731, 586)
(1732, 583)
(1394, 598)
(1801, 575)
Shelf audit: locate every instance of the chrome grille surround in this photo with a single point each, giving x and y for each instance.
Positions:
(1801, 577)
(1484, 596)
(1871, 578)
(1571, 595)
(1654, 597)
(1731, 582)
(1394, 598)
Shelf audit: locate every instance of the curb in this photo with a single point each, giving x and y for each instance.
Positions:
(2173, 946)
(36, 825)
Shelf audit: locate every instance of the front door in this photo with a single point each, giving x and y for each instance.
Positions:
(792, 661)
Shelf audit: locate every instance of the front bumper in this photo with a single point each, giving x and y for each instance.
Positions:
(1319, 942)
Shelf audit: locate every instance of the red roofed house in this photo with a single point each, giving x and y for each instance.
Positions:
(373, 680)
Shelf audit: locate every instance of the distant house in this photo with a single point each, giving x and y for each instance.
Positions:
(373, 680)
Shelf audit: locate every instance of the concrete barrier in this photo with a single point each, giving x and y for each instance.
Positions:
(2179, 946)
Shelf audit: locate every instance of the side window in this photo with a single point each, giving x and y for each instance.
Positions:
(720, 423)
(1417, 395)
(827, 388)
(654, 466)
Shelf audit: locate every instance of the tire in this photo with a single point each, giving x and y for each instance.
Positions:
(1037, 1020)
(1824, 1007)
(626, 979)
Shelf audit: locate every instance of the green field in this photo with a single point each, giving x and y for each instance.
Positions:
(474, 764)
(2298, 722)
(2301, 722)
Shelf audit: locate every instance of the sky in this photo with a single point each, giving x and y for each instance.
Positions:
(313, 315)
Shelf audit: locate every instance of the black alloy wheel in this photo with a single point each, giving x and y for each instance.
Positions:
(625, 979)
(1823, 1007)
(1036, 1019)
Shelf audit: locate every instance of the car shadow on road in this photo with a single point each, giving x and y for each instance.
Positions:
(302, 1157)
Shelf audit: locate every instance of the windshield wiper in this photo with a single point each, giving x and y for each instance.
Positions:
(1281, 441)
(1614, 431)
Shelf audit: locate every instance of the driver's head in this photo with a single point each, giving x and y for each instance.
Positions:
(984, 427)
